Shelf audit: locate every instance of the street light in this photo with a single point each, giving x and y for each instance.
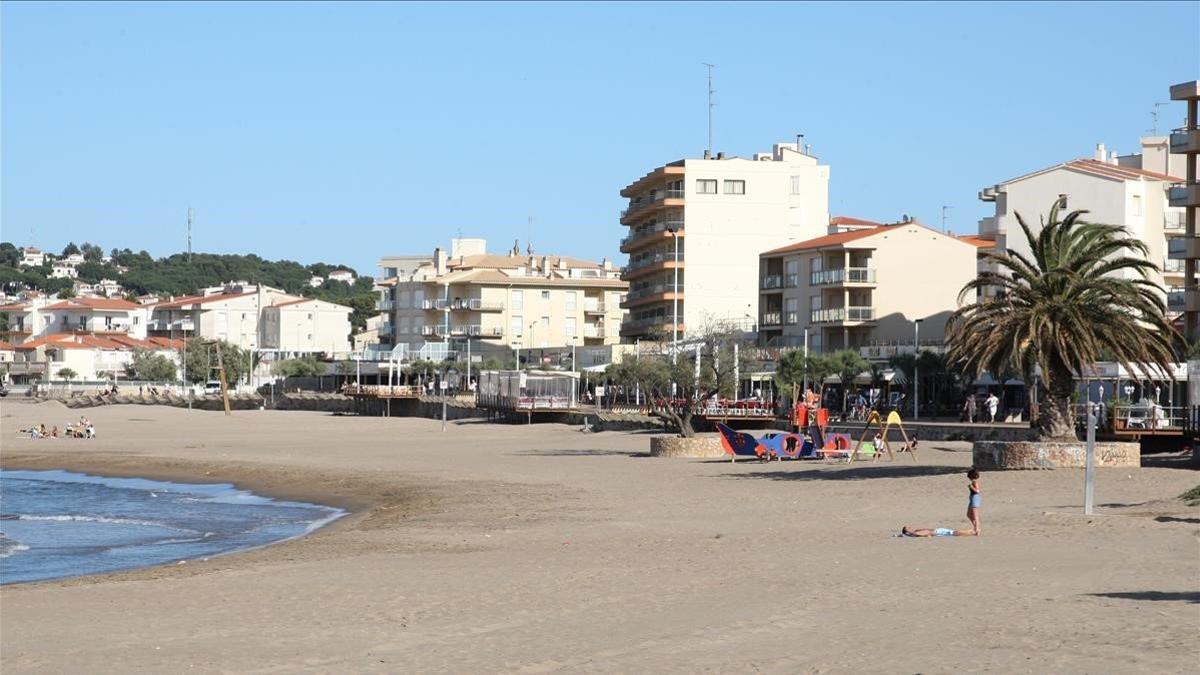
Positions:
(805, 360)
(916, 354)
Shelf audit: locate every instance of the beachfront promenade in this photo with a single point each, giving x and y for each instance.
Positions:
(538, 548)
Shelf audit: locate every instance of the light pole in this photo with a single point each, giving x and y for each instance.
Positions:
(532, 326)
(805, 360)
(916, 355)
(674, 230)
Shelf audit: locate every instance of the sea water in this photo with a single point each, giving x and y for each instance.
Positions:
(56, 524)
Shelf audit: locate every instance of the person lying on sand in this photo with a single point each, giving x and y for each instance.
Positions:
(910, 531)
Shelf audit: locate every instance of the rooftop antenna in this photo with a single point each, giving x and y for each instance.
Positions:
(189, 233)
(945, 208)
(711, 91)
(1154, 117)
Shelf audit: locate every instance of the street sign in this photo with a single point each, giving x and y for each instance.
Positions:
(599, 390)
(443, 385)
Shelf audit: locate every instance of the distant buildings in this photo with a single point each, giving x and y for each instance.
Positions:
(31, 257)
(863, 284)
(500, 301)
(41, 316)
(90, 356)
(346, 276)
(696, 227)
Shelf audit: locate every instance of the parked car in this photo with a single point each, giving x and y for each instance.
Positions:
(212, 387)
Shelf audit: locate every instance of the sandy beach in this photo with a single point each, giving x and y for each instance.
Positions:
(542, 548)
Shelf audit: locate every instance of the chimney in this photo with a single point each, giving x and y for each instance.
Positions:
(439, 261)
(1112, 157)
(720, 155)
(707, 154)
(1100, 155)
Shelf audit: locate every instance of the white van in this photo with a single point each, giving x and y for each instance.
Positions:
(212, 387)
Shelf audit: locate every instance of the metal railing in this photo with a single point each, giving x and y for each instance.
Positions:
(597, 308)
(791, 280)
(771, 319)
(648, 290)
(791, 318)
(477, 305)
(593, 331)
(835, 314)
(647, 260)
(1180, 138)
(843, 275)
(647, 230)
(772, 281)
(385, 305)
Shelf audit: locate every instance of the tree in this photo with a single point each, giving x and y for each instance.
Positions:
(847, 364)
(795, 369)
(91, 252)
(1059, 308)
(656, 375)
(151, 367)
(202, 360)
(67, 374)
(305, 366)
(70, 249)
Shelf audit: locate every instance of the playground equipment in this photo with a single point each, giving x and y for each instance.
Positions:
(871, 447)
(775, 445)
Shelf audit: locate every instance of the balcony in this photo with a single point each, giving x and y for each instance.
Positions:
(592, 331)
(428, 304)
(1172, 266)
(1185, 140)
(769, 319)
(1175, 300)
(385, 329)
(791, 280)
(791, 318)
(648, 325)
(771, 282)
(1174, 223)
(644, 295)
(1184, 194)
(477, 305)
(843, 315)
(843, 276)
(989, 227)
(1182, 248)
(651, 263)
(595, 308)
(653, 233)
(643, 205)
(385, 305)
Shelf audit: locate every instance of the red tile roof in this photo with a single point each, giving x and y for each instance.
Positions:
(847, 220)
(1117, 171)
(93, 303)
(14, 308)
(5, 346)
(94, 341)
(976, 241)
(189, 300)
(827, 240)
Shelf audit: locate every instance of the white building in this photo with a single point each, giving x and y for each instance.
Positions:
(237, 313)
(720, 213)
(109, 288)
(302, 326)
(1111, 192)
(500, 302)
(72, 259)
(315, 281)
(38, 317)
(346, 276)
(31, 257)
(89, 356)
(63, 271)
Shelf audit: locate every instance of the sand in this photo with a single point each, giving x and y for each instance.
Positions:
(541, 548)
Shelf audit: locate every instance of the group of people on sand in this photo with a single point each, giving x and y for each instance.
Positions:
(84, 429)
(974, 502)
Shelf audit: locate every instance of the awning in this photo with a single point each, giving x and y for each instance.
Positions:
(894, 376)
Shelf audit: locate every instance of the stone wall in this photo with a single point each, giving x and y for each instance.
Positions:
(705, 446)
(1050, 455)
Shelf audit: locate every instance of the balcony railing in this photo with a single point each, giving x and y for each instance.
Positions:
(772, 281)
(1174, 222)
(843, 275)
(658, 197)
(477, 305)
(1185, 139)
(649, 290)
(660, 226)
(791, 318)
(840, 314)
(771, 319)
(791, 280)
(595, 308)
(593, 331)
(1175, 300)
(385, 329)
(1173, 266)
(645, 261)
(385, 305)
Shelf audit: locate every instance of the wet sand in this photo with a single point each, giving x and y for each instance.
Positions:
(540, 548)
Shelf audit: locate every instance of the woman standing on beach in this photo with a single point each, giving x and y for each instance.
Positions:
(974, 500)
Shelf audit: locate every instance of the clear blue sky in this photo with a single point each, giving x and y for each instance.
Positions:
(340, 132)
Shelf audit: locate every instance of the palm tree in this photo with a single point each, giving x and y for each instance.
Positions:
(1059, 308)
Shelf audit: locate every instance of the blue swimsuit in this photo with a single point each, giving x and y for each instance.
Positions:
(975, 500)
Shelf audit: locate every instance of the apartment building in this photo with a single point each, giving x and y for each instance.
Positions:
(90, 356)
(393, 268)
(505, 301)
(696, 227)
(863, 285)
(301, 326)
(238, 313)
(1114, 192)
(1185, 195)
(41, 316)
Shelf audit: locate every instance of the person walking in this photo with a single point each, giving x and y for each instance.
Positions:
(969, 409)
(992, 404)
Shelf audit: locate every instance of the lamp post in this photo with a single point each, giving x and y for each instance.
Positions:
(806, 359)
(532, 342)
(916, 355)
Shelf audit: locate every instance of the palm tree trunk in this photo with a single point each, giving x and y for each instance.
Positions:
(1056, 417)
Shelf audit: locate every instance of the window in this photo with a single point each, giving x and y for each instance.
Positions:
(735, 187)
(419, 298)
(814, 303)
(545, 295)
(517, 323)
(706, 186)
(518, 301)
(404, 299)
(795, 185)
(404, 324)
(569, 327)
(309, 316)
(1137, 205)
(545, 322)
(570, 301)
(816, 264)
(793, 267)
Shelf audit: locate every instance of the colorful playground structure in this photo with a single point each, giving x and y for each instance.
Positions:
(808, 439)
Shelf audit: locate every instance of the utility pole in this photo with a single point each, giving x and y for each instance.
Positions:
(189, 234)
(711, 91)
(945, 208)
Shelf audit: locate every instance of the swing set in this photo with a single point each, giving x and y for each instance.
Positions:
(870, 447)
